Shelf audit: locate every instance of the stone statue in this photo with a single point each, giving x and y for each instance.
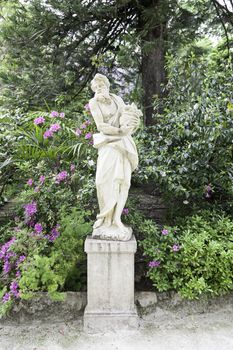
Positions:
(117, 158)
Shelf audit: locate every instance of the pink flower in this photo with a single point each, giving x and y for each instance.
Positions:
(30, 182)
(87, 107)
(154, 263)
(88, 136)
(39, 120)
(20, 260)
(61, 176)
(176, 248)
(47, 134)
(72, 168)
(78, 132)
(14, 288)
(165, 232)
(37, 189)
(18, 273)
(54, 114)
(62, 115)
(91, 142)
(6, 297)
(87, 122)
(83, 126)
(55, 127)
(125, 211)
(30, 209)
(42, 179)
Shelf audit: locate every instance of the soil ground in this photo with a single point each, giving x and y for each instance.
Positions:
(158, 330)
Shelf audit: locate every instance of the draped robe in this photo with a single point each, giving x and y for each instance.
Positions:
(117, 158)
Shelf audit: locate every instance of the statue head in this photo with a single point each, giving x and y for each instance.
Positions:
(100, 82)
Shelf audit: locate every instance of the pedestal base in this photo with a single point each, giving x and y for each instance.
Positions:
(102, 322)
(110, 287)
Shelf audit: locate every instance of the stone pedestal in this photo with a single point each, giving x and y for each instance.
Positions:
(110, 287)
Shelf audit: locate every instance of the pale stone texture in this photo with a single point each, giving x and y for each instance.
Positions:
(117, 158)
(110, 296)
(146, 299)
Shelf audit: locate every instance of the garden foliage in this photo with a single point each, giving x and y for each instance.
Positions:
(194, 257)
(188, 153)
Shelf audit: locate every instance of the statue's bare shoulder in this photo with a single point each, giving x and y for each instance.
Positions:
(95, 111)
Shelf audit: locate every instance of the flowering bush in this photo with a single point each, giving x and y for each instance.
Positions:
(52, 136)
(40, 250)
(36, 261)
(194, 257)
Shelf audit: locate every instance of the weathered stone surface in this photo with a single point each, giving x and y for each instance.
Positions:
(110, 288)
(146, 299)
(41, 308)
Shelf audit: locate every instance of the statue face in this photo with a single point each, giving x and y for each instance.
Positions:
(101, 88)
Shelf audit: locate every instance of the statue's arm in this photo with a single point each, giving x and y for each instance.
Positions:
(98, 117)
(96, 113)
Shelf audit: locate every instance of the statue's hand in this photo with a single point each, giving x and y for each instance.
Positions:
(125, 130)
(108, 129)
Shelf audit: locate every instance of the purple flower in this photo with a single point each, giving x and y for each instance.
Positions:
(39, 120)
(165, 232)
(6, 266)
(30, 182)
(91, 142)
(72, 168)
(6, 246)
(54, 233)
(47, 134)
(20, 260)
(37, 189)
(61, 176)
(208, 191)
(87, 107)
(18, 273)
(30, 222)
(38, 228)
(10, 254)
(54, 114)
(55, 127)
(83, 126)
(62, 115)
(154, 263)
(30, 209)
(6, 297)
(175, 248)
(14, 288)
(125, 211)
(42, 179)
(78, 132)
(87, 122)
(88, 136)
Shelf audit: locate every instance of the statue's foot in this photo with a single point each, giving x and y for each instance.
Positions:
(117, 231)
(98, 223)
(124, 232)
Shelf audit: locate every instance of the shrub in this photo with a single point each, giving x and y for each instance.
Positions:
(188, 153)
(35, 261)
(194, 257)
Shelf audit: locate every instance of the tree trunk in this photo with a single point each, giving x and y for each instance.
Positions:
(153, 63)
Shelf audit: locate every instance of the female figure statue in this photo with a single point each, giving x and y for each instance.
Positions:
(117, 158)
